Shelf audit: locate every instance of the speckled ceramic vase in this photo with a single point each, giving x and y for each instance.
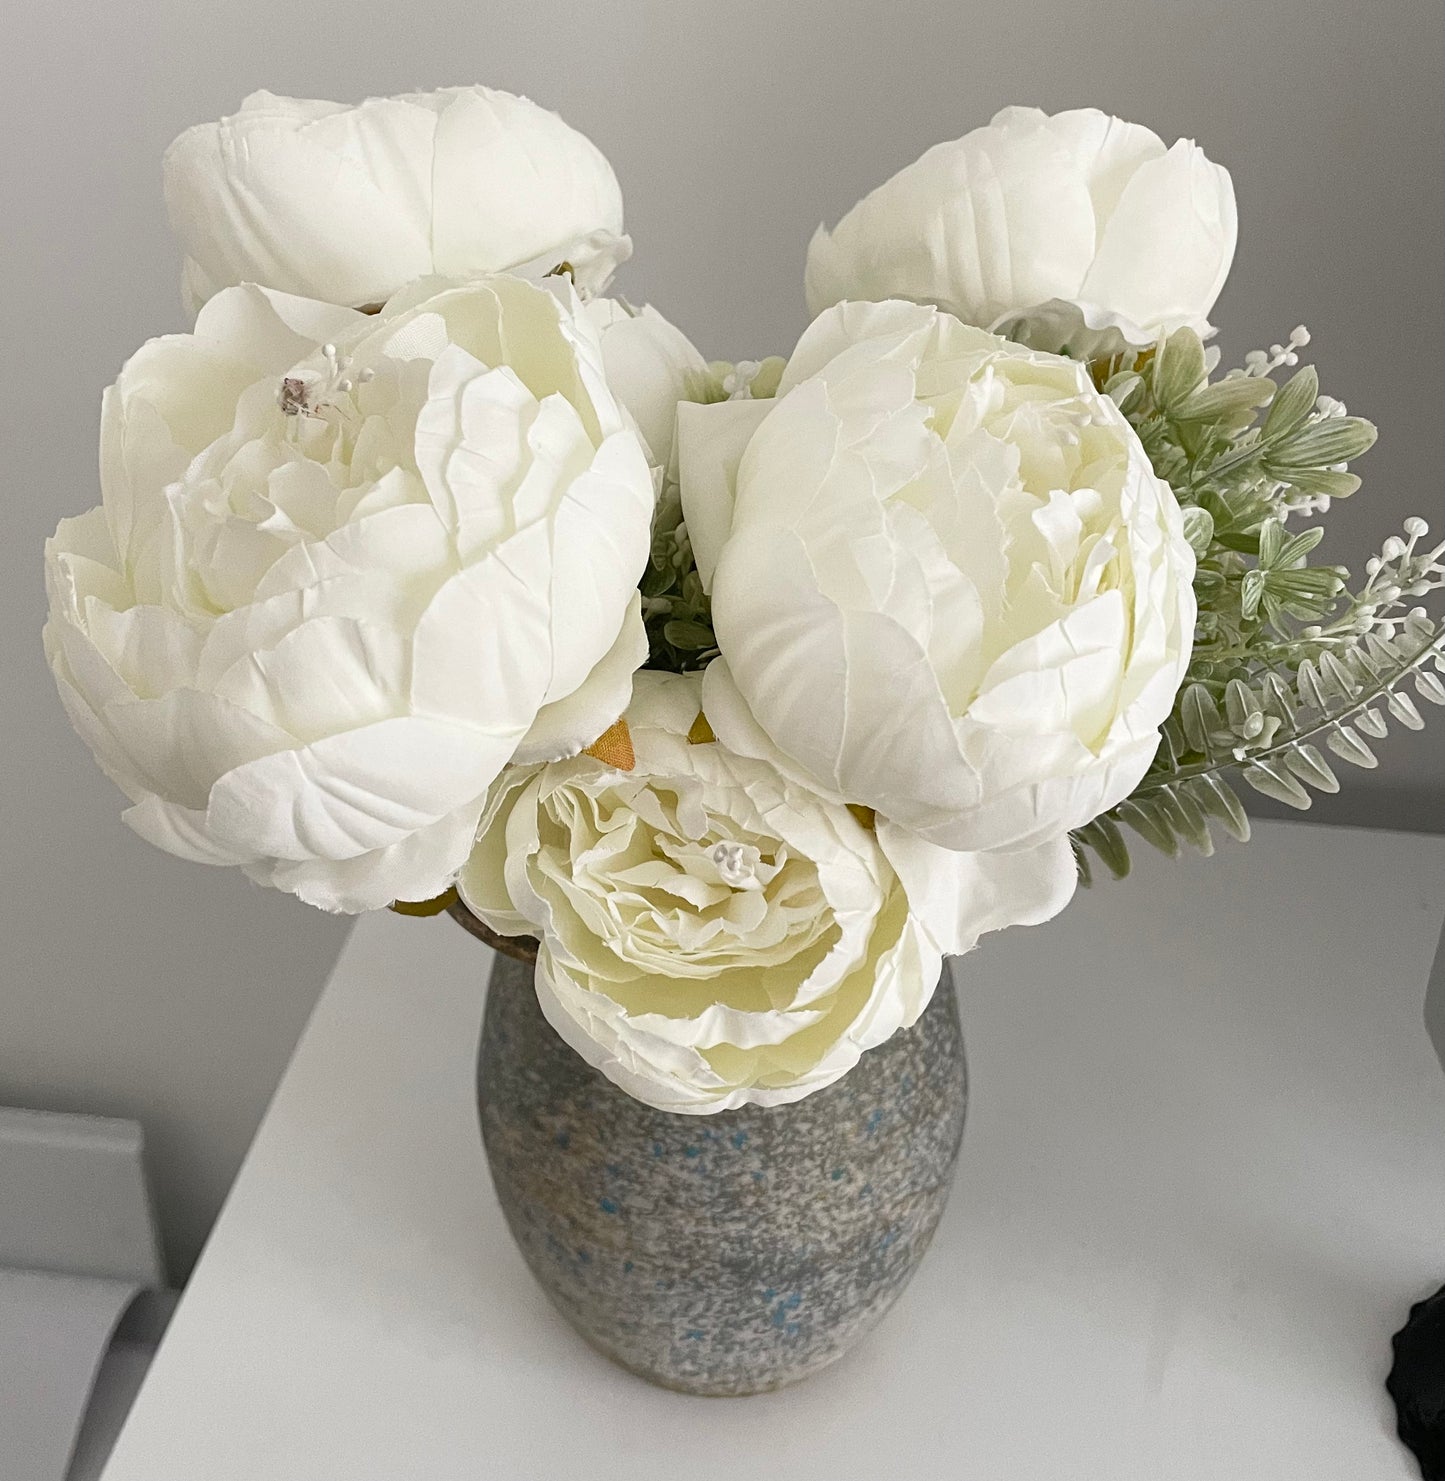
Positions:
(727, 1254)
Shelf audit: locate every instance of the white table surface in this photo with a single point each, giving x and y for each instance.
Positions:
(1203, 1178)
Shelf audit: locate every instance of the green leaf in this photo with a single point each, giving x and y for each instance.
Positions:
(1366, 668)
(1198, 529)
(1218, 800)
(1243, 710)
(1271, 542)
(1103, 836)
(1200, 718)
(1187, 818)
(1224, 399)
(1243, 540)
(1322, 581)
(1279, 698)
(1348, 746)
(1150, 823)
(1419, 628)
(1293, 402)
(1429, 687)
(1273, 780)
(1311, 689)
(1402, 707)
(1337, 681)
(1178, 369)
(1294, 550)
(1328, 481)
(1122, 387)
(688, 636)
(1293, 665)
(1251, 589)
(1311, 767)
(1322, 443)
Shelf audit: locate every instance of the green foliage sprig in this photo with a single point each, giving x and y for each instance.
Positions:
(1287, 659)
(675, 609)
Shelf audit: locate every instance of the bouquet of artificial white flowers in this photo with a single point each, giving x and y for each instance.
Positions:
(753, 691)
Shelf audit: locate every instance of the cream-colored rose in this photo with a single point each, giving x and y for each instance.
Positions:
(345, 569)
(1076, 233)
(945, 579)
(714, 933)
(348, 205)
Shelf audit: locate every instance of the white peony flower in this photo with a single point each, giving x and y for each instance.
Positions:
(715, 933)
(945, 579)
(345, 568)
(651, 366)
(1078, 232)
(348, 205)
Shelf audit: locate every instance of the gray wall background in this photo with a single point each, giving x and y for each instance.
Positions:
(136, 985)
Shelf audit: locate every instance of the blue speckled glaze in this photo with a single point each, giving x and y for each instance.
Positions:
(728, 1255)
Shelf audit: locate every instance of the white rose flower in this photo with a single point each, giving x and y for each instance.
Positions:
(945, 579)
(348, 205)
(651, 366)
(1078, 232)
(714, 933)
(345, 568)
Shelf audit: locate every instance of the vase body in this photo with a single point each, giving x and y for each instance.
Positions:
(727, 1254)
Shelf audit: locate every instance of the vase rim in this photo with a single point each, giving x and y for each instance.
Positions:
(519, 948)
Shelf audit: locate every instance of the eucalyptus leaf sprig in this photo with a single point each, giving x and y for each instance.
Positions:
(1288, 661)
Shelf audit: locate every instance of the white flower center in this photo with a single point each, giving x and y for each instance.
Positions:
(299, 397)
(737, 865)
(678, 879)
(738, 382)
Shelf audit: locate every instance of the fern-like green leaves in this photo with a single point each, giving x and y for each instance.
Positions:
(1288, 662)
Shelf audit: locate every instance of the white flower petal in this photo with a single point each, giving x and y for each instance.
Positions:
(710, 444)
(347, 205)
(329, 674)
(958, 896)
(849, 695)
(182, 742)
(1019, 223)
(998, 217)
(716, 932)
(651, 367)
(568, 725)
(352, 793)
(511, 181)
(1169, 243)
(601, 536)
(496, 680)
(182, 831)
(420, 867)
(952, 588)
(268, 329)
(312, 622)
